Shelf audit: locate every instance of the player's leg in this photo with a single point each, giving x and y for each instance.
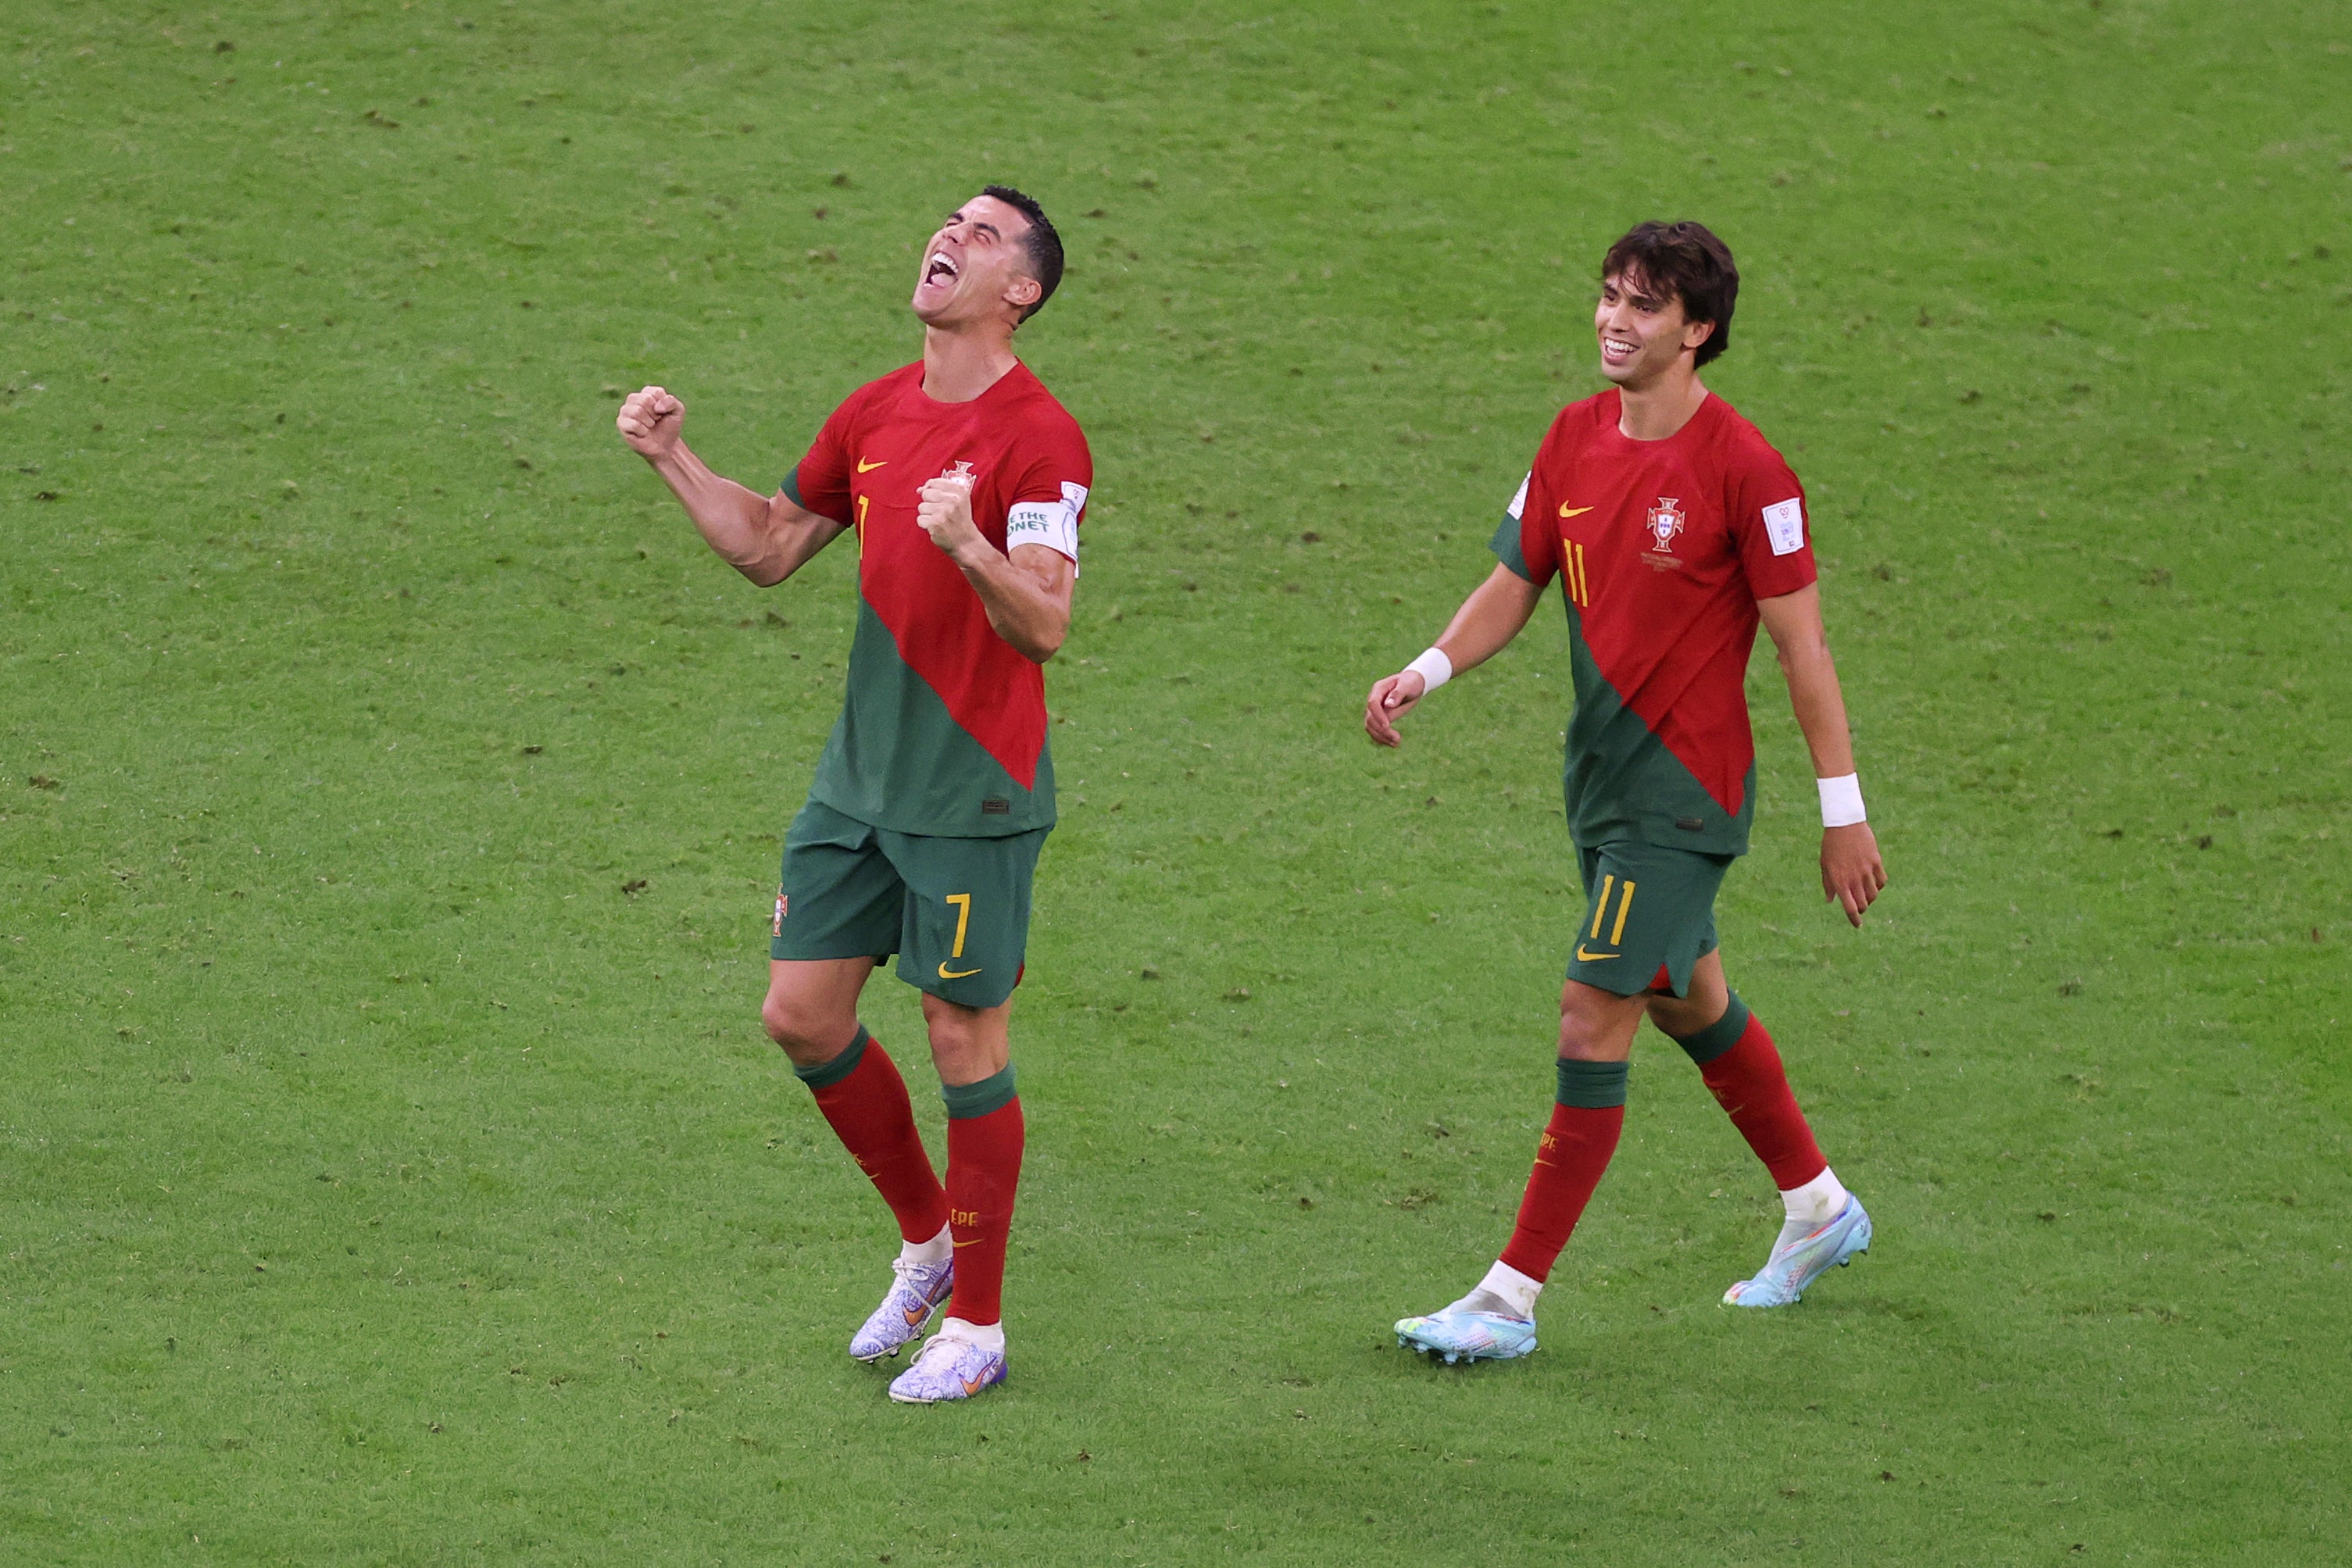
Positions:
(964, 936)
(1824, 1225)
(1597, 1024)
(836, 909)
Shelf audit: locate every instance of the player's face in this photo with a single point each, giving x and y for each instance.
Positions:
(974, 267)
(1642, 334)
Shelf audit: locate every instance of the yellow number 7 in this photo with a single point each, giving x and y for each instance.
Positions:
(962, 901)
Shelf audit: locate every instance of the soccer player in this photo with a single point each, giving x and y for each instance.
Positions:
(964, 481)
(1671, 527)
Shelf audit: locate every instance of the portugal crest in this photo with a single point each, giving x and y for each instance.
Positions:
(1666, 521)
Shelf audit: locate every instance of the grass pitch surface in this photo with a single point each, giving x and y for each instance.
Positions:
(391, 1166)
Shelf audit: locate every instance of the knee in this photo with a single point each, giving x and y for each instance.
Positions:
(1586, 1037)
(1596, 1025)
(804, 1032)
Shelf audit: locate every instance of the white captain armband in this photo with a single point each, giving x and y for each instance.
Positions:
(1841, 801)
(1054, 524)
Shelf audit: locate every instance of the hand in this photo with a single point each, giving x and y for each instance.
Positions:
(649, 421)
(1851, 873)
(1390, 700)
(944, 510)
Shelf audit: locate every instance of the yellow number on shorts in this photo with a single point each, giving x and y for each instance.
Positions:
(962, 901)
(1600, 910)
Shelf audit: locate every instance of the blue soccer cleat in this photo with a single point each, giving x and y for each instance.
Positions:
(1796, 1264)
(1465, 1334)
(948, 1368)
(915, 1295)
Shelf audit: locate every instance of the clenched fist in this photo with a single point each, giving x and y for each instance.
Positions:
(649, 421)
(943, 511)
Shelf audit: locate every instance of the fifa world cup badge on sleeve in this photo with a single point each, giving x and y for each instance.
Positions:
(783, 907)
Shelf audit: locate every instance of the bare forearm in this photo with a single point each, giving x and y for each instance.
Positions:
(1028, 601)
(765, 538)
(1794, 622)
(1495, 611)
(732, 519)
(1820, 708)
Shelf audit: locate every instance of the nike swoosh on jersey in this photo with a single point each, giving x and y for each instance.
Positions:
(947, 973)
(1568, 511)
(1584, 957)
(863, 465)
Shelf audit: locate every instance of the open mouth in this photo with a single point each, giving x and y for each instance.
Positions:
(941, 269)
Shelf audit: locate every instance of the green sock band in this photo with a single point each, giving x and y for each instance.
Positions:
(966, 1101)
(826, 1074)
(1592, 1086)
(1720, 1036)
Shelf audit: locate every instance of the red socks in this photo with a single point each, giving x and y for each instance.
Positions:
(984, 1137)
(1749, 1082)
(1569, 1157)
(864, 1098)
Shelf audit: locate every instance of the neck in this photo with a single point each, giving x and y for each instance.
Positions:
(962, 361)
(1657, 410)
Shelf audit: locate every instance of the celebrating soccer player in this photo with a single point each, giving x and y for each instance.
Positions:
(965, 481)
(1671, 527)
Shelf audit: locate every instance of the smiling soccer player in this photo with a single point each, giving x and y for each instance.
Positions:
(1671, 527)
(964, 481)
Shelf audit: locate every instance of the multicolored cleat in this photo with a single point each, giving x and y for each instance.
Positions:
(1794, 1265)
(1458, 1333)
(948, 1368)
(915, 1296)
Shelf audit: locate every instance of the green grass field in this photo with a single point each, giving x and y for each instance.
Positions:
(380, 1182)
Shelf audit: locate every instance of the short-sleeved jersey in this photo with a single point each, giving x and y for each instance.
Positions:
(942, 729)
(1662, 549)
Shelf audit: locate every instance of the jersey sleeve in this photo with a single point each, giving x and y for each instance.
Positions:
(820, 482)
(1049, 500)
(1524, 541)
(1770, 527)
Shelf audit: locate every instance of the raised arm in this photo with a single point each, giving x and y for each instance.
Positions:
(1851, 871)
(1026, 594)
(765, 538)
(1495, 611)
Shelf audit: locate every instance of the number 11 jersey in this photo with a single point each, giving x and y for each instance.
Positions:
(1662, 549)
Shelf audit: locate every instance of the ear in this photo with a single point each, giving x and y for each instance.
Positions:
(1696, 332)
(1022, 292)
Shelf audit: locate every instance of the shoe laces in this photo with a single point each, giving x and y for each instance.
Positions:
(907, 1268)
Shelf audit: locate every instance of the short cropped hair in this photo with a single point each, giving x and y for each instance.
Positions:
(1041, 243)
(1689, 262)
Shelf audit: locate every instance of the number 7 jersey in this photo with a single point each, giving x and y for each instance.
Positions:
(942, 727)
(1662, 549)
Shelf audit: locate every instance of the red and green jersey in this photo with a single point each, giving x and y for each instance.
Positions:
(1662, 549)
(942, 731)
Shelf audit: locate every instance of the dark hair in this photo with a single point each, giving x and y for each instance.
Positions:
(1040, 241)
(1686, 261)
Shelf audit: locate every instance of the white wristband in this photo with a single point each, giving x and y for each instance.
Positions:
(1841, 801)
(1434, 670)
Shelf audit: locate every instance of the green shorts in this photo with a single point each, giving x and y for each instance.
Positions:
(1649, 915)
(955, 911)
